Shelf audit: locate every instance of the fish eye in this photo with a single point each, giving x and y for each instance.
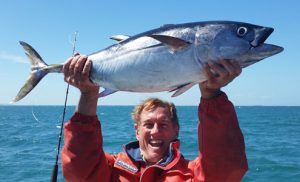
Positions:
(241, 31)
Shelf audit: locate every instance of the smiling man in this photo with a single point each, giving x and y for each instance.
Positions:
(155, 156)
(156, 126)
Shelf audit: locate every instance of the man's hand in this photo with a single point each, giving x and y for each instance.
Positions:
(76, 70)
(218, 75)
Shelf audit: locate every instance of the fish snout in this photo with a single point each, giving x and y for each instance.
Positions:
(261, 35)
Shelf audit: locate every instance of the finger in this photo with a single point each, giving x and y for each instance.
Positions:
(229, 67)
(233, 68)
(208, 72)
(67, 65)
(86, 69)
(237, 67)
(212, 81)
(79, 67)
(218, 69)
(72, 65)
(69, 80)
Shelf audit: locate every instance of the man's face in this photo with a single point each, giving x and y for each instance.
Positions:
(155, 133)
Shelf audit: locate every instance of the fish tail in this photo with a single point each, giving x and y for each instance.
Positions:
(39, 69)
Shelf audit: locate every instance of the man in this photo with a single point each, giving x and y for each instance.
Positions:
(155, 156)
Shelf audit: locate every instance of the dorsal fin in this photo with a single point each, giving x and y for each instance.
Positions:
(119, 37)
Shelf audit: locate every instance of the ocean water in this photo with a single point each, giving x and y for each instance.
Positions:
(29, 137)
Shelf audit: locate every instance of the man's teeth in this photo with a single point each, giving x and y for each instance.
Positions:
(156, 142)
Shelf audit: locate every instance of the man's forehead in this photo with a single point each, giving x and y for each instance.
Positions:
(159, 111)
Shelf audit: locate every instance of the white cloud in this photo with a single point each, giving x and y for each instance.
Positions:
(10, 57)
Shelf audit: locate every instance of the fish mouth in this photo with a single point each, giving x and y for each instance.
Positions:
(261, 35)
(259, 48)
(265, 50)
(260, 52)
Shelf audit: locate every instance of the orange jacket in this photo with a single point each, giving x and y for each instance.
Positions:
(222, 156)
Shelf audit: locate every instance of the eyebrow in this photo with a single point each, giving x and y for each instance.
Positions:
(164, 120)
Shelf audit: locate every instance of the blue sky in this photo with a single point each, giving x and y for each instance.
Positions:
(49, 25)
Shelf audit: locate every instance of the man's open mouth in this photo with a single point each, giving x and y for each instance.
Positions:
(156, 143)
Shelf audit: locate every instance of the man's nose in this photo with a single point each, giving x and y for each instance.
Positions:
(155, 129)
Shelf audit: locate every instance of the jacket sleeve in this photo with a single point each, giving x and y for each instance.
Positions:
(83, 158)
(221, 142)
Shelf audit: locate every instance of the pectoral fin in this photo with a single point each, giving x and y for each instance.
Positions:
(173, 42)
(181, 89)
(106, 92)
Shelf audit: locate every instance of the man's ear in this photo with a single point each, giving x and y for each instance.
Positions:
(136, 127)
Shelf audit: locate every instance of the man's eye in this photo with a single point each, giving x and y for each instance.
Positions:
(148, 125)
(164, 125)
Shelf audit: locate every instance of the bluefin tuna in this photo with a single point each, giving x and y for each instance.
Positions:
(169, 58)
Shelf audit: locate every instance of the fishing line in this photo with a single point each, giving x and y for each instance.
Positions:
(72, 41)
(55, 168)
(34, 114)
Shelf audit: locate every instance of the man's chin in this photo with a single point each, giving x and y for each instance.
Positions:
(154, 159)
(156, 151)
(156, 156)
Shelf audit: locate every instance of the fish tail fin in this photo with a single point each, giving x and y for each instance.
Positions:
(38, 71)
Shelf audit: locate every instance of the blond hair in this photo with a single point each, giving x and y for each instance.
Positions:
(152, 103)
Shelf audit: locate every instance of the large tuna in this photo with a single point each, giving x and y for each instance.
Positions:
(169, 58)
